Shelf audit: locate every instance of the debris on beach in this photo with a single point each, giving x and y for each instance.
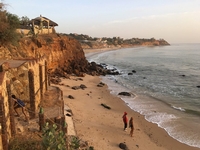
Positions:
(104, 105)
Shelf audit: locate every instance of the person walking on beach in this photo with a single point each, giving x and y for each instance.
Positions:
(131, 126)
(125, 120)
(19, 104)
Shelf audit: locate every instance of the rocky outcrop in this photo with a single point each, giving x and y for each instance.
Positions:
(64, 54)
(88, 42)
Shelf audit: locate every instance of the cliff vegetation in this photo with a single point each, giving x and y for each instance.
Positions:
(88, 42)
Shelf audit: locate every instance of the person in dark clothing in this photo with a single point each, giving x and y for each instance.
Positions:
(125, 120)
(131, 126)
(19, 104)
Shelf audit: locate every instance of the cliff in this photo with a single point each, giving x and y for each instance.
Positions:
(63, 53)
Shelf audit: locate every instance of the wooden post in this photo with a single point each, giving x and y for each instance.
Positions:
(41, 118)
(58, 121)
(64, 125)
(64, 129)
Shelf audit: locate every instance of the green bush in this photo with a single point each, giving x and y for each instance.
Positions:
(8, 25)
(53, 139)
(74, 143)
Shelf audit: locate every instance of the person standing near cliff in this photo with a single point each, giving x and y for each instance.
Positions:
(125, 120)
(131, 126)
(19, 104)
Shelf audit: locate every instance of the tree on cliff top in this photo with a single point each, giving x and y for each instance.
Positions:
(8, 25)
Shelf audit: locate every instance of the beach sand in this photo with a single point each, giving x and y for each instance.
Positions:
(99, 50)
(102, 128)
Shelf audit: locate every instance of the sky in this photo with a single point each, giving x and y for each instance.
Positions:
(176, 21)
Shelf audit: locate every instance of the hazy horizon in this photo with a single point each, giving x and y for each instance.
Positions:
(176, 21)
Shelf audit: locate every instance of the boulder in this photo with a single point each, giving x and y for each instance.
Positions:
(82, 86)
(124, 93)
(123, 146)
(133, 71)
(70, 96)
(76, 87)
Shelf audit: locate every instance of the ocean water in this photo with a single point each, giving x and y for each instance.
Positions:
(164, 85)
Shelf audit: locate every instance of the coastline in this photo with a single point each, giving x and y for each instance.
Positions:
(103, 128)
(90, 52)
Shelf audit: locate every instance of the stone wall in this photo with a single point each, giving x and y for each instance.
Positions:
(28, 81)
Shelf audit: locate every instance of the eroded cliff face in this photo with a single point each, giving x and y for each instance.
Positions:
(65, 55)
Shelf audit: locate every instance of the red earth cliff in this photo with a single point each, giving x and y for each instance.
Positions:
(65, 55)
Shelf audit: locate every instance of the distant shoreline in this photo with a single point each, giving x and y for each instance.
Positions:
(99, 50)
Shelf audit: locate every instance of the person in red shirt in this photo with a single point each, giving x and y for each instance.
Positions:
(125, 120)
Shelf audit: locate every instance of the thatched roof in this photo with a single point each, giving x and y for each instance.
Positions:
(38, 20)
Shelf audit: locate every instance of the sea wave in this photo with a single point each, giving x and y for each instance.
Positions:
(178, 108)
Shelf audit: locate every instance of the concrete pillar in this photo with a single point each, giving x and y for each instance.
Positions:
(48, 26)
(41, 81)
(4, 134)
(1, 144)
(11, 109)
(32, 112)
(46, 76)
(41, 119)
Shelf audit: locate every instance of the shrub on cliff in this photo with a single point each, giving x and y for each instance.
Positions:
(8, 25)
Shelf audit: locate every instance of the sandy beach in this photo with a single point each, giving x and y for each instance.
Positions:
(102, 128)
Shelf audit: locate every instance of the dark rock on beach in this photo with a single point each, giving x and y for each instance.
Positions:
(124, 93)
(71, 97)
(76, 87)
(101, 84)
(82, 86)
(123, 146)
(182, 75)
(133, 71)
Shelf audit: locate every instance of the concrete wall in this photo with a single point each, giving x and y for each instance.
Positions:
(43, 30)
(23, 31)
(36, 30)
(28, 81)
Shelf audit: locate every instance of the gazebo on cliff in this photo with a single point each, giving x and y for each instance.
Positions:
(43, 25)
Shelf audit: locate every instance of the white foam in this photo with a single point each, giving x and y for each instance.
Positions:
(178, 108)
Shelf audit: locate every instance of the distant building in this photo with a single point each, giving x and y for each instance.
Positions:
(39, 25)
